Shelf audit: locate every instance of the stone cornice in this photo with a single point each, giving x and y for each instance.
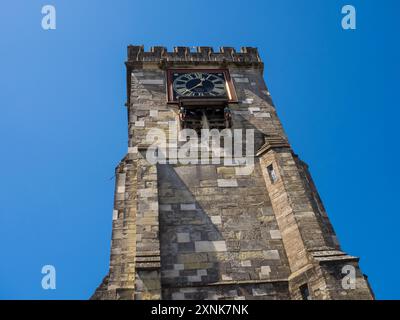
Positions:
(273, 142)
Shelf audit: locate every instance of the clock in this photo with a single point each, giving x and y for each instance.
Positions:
(199, 83)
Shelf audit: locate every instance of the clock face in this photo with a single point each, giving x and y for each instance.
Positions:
(199, 84)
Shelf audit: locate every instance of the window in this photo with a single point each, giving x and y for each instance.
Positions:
(198, 118)
(272, 174)
(305, 293)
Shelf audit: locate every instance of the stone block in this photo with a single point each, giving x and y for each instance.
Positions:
(177, 296)
(208, 183)
(241, 80)
(216, 219)
(275, 234)
(137, 74)
(170, 273)
(152, 81)
(194, 278)
(115, 214)
(244, 171)
(265, 270)
(227, 183)
(210, 246)
(262, 115)
(197, 265)
(132, 150)
(248, 101)
(192, 258)
(254, 109)
(183, 237)
(245, 263)
(139, 123)
(165, 207)
(188, 206)
(267, 211)
(226, 170)
(178, 266)
(153, 206)
(247, 255)
(147, 193)
(154, 113)
(201, 272)
(271, 254)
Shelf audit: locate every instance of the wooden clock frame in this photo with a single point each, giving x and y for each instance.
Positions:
(230, 89)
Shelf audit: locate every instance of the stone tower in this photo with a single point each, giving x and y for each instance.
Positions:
(223, 227)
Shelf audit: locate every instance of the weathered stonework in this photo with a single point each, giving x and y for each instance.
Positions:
(212, 231)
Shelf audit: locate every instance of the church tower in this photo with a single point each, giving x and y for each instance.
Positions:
(211, 201)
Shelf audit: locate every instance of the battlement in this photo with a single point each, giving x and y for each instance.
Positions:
(247, 55)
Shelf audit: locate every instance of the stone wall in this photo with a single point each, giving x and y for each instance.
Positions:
(217, 228)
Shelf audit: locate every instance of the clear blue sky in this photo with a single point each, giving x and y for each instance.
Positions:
(63, 125)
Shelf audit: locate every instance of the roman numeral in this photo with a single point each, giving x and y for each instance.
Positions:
(186, 92)
(185, 77)
(219, 88)
(220, 85)
(180, 86)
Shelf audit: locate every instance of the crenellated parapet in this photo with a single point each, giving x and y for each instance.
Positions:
(246, 56)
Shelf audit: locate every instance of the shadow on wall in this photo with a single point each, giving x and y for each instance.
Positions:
(189, 239)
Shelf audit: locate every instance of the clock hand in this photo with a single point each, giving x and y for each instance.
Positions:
(199, 84)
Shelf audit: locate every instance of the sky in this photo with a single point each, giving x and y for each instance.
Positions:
(63, 124)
